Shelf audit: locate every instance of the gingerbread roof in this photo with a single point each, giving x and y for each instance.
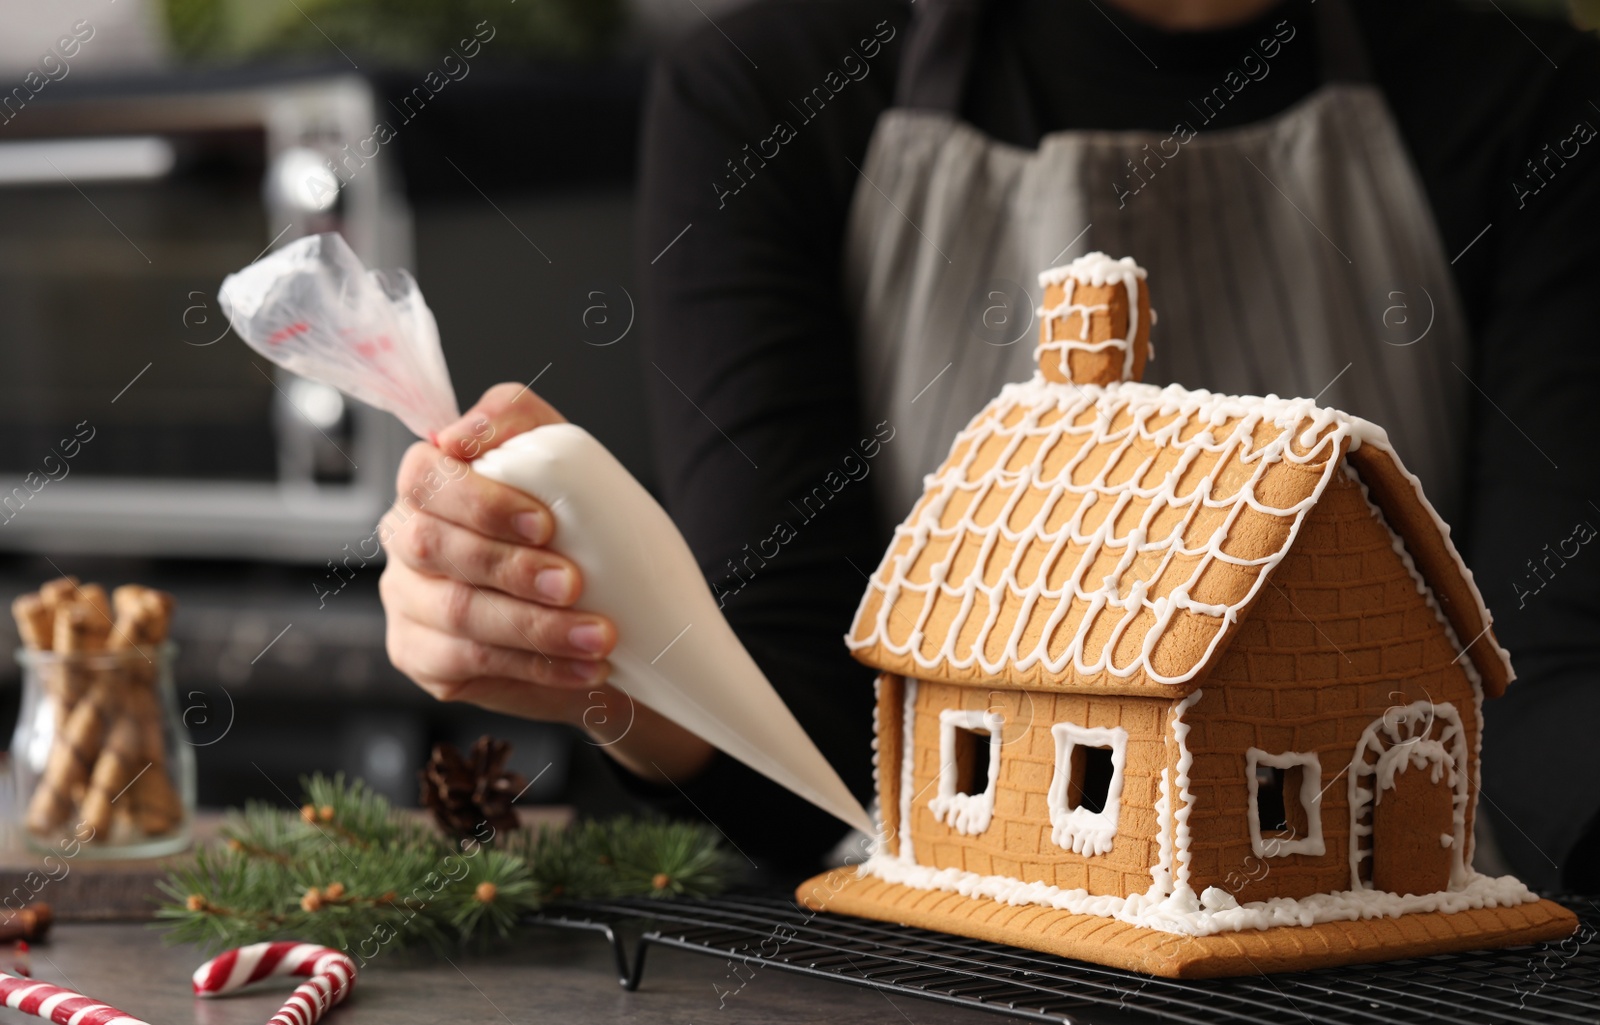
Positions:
(1108, 538)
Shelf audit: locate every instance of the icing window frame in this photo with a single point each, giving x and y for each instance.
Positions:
(1310, 767)
(967, 814)
(1079, 830)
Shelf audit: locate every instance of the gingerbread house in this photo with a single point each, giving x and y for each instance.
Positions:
(1174, 681)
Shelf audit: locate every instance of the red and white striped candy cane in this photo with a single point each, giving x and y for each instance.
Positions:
(62, 1006)
(331, 972)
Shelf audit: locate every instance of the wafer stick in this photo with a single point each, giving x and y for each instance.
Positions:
(141, 705)
(152, 802)
(36, 616)
(58, 590)
(151, 607)
(114, 769)
(94, 596)
(157, 809)
(66, 774)
(36, 624)
(35, 621)
(79, 627)
(83, 694)
(143, 620)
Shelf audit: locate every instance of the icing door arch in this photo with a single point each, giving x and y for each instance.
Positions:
(1413, 831)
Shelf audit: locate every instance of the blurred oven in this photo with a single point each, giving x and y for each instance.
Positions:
(131, 420)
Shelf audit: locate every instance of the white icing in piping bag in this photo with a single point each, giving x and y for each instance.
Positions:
(675, 652)
(313, 309)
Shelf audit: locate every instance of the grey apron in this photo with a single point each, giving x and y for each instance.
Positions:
(1297, 256)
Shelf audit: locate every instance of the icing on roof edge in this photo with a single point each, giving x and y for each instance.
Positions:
(1142, 403)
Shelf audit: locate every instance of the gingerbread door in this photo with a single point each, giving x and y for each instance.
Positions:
(1413, 830)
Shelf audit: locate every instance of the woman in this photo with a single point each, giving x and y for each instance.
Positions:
(1389, 207)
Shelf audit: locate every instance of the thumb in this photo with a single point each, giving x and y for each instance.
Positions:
(504, 411)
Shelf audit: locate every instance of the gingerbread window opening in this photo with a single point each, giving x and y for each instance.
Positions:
(1284, 803)
(969, 769)
(1085, 796)
(1090, 781)
(971, 755)
(1278, 805)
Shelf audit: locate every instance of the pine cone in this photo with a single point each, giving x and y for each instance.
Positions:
(466, 793)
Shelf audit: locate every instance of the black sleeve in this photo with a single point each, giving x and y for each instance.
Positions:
(1531, 530)
(751, 370)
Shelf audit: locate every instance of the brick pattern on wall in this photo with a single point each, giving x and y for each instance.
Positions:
(1339, 635)
(1017, 843)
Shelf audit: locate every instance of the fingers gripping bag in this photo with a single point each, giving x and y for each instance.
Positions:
(313, 309)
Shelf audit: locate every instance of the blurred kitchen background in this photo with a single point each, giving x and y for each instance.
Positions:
(149, 147)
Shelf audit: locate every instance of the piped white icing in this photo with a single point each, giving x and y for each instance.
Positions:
(1116, 414)
(1096, 269)
(967, 814)
(1078, 829)
(880, 834)
(1185, 803)
(1464, 660)
(1161, 871)
(1190, 917)
(1310, 792)
(908, 751)
(1424, 735)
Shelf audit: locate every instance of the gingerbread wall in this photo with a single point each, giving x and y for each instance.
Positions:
(1018, 840)
(1339, 636)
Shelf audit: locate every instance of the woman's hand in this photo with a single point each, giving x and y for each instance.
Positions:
(480, 610)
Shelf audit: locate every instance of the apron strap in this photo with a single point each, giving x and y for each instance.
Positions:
(1344, 54)
(943, 33)
(938, 54)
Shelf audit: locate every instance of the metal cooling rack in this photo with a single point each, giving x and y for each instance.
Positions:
(1541, 983)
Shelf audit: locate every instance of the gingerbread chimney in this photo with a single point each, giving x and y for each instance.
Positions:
(1094, 326)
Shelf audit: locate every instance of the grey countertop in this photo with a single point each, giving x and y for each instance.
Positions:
(551, 976)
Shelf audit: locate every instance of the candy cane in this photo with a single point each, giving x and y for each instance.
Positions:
(62, 1006)
(332, 974)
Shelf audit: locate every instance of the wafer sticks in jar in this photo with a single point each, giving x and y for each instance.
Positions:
(97, 657)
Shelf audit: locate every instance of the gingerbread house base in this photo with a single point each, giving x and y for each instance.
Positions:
(1117, 944)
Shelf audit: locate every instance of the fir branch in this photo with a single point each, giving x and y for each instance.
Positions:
(669, 858)
(263, 831)
(348, 871)
(495, 893)
(351, 812)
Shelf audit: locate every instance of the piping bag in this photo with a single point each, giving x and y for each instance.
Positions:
(313, 309)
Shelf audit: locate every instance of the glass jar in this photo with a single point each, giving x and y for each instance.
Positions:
(100, 756)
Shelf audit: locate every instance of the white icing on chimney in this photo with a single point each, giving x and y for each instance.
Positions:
(1096, 269)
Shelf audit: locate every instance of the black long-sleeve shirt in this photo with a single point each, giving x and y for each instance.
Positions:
(755, 400)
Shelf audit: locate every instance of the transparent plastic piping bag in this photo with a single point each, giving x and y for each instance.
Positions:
(313, 309)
